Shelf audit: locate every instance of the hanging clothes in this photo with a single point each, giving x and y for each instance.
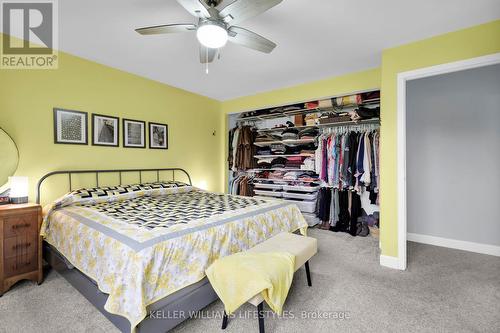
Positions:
(242, 185)
(348, 162)
(242, 149)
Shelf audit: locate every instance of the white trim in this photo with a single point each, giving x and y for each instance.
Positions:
(402, 78)
(493, 250)
(401, 169)
(392, 262)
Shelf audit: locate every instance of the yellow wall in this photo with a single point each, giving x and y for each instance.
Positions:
(339, 85)
(28, 96)
(468, 43)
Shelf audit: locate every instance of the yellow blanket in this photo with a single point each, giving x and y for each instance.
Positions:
(239, 277)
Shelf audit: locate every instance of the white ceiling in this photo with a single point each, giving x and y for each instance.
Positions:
(316, 39)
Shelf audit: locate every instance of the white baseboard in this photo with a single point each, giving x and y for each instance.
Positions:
(455, 244)
(392, 262)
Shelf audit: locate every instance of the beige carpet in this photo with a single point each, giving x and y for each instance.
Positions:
(443, 290)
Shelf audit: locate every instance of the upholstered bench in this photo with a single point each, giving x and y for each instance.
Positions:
(303, 248)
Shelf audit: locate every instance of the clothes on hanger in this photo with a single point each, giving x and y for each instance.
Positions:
(242, 185)
(348, 165)
(340, 210)
(350, 160)
(242, 148)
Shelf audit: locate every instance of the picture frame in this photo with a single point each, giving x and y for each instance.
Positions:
(70, 127)
(105, 130)
(158, 136)
(134, 133)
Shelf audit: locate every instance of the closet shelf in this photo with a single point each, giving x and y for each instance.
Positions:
(287, 180)
(285, 142)
(283, 155)
(307, 111)
(276, 169)
(281, 129)
(341, 123)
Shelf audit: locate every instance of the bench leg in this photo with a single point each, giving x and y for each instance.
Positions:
(308, 273)
(224, 321)
(260, 310)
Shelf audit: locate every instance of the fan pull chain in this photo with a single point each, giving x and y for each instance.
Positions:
(206, 70)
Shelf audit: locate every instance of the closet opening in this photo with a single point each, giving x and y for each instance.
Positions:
(321, 155)
(449, 137)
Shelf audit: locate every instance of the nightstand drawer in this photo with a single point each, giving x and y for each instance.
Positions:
(20, 245)
(21, 264)
(20, 224)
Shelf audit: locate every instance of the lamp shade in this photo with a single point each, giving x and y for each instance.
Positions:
(18, 189)
(212, 34)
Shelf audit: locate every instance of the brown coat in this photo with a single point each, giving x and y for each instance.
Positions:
(245, 149)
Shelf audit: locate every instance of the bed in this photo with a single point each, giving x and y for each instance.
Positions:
(139, 252)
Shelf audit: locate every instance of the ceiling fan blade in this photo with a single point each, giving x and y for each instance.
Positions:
(241, 10)
(196, 8)
(166, 29)
(250, 39)
(207, 55)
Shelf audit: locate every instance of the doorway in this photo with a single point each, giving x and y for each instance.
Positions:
(448, 156)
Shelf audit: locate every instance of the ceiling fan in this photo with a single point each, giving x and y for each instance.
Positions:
(216, 25)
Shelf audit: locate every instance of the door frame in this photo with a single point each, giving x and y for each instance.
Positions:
(402, 79)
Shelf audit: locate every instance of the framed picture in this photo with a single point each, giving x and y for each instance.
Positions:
(105, 130)
(70, 127)
(134, 133)
(158, 136)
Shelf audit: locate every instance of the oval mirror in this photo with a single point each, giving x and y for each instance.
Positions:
(9, 158)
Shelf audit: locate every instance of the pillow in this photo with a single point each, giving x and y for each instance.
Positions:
(96, 192)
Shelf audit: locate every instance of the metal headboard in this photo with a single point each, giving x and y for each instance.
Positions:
(97, 172)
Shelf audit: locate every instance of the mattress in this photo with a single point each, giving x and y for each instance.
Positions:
(141, 243)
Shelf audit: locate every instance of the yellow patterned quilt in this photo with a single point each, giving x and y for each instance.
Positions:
(143, 243)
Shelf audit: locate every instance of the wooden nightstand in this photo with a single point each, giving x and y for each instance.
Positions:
(20, 244)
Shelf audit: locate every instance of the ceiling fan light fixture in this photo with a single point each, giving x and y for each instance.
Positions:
(212, 34)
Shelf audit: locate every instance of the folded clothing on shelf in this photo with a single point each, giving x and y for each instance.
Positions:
(370, 96)
(290, 133)
(264, 151)
(293, 149)
(264, 162)
(293, 107)
(295, 159)
(278, 162)
(278, 148)
(307, 176)
(294, 162)
(264, 165)
(334, 118)
(347, 100)
(276, 110)
(291, 175)
(248, 114)
(364, 113)
(312, 105)
(308, 164)
(308, 133)
(276, 175)
(311, 119)
(325, 104)
(266, 137)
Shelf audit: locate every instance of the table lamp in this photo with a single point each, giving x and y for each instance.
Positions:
(18, 189)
